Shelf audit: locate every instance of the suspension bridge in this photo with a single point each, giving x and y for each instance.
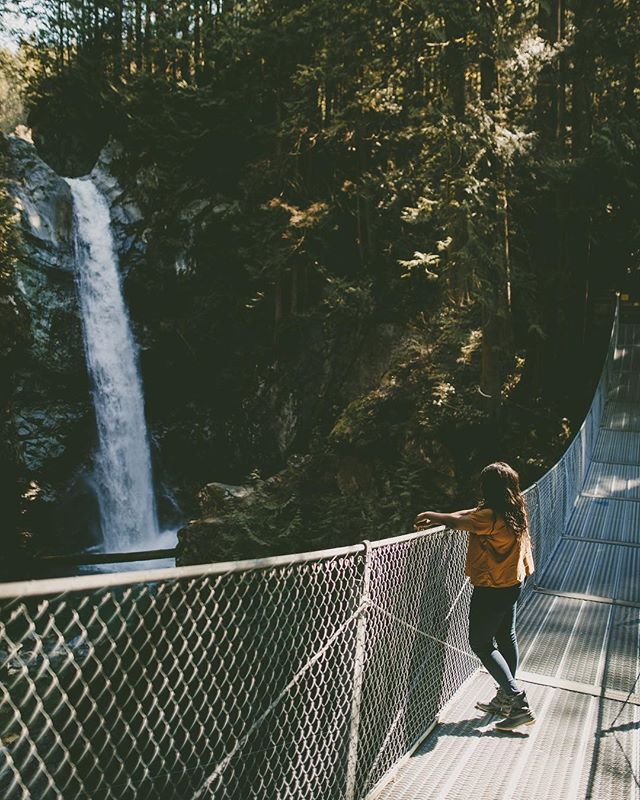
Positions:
(345, 674)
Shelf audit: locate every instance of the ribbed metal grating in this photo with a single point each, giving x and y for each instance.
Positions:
(628, 334)
(584, 568)
(621, 416)
(605, 518)
(622, 656)
(613, 480)
(626, 387)
(617, 447)
(560, 759)
(627, 358)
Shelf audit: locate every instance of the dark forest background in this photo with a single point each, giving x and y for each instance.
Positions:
(429, 203)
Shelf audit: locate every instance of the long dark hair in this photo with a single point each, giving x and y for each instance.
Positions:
(501, 493)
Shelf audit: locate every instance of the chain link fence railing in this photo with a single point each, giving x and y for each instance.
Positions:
(303, 677)
(551, 500)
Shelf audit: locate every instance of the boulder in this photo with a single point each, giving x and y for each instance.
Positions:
(215, 497)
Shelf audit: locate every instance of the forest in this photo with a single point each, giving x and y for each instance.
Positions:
(381, 244)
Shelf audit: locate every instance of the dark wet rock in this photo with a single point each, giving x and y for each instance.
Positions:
(228, 526)
(194, 210)
(216, 497)
(44, 432)
(43, 200)
(126, 216)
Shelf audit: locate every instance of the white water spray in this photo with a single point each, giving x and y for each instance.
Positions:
(122, 460)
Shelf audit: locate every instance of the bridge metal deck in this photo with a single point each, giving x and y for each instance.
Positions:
(580, 645)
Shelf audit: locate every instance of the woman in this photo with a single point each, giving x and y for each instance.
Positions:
(498, 560)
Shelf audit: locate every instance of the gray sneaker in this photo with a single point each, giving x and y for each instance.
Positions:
(520, 714)
(500, 704)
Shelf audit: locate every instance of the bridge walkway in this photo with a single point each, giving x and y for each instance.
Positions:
(579, 635)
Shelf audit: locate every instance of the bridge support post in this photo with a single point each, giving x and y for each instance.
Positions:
(358, 671)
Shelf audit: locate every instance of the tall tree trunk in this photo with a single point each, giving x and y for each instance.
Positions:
(173, 24)
(454, 69)
(117, 39)
(363, 210)
(582, 76)
(488, 70)
(60, 43)
(496, 323)
(96, 24)
(185, 25)
(82, 28)
(546, 108)
(138, 36)
(160, 38)
(197, 41)
(543, 366)
(563, 70)
(454, 66)
(147, 46)
(206, 33)
(581, 126)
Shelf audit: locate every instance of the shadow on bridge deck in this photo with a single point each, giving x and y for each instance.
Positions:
(580, 649)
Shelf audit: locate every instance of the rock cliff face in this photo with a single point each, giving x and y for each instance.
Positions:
(51, 404)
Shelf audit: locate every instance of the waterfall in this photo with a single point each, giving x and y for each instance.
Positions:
(122, 461)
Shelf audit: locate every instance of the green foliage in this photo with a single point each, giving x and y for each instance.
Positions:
(15, 72)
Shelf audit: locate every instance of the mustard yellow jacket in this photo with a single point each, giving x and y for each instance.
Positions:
(495, 555)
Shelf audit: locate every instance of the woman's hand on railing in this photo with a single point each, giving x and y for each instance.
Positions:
(423, 523)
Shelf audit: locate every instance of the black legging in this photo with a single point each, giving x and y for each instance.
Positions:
(492, 632)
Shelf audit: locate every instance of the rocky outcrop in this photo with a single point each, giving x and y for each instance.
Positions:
(226, 527)
(51, 406)
(126, 216)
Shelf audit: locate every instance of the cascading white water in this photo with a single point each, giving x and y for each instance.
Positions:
(122, 460)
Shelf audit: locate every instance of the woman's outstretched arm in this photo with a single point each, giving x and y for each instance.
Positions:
(458, 520)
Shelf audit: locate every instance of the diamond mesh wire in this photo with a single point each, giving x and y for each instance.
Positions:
(305, 677)
(231, 685)
(416, 653)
